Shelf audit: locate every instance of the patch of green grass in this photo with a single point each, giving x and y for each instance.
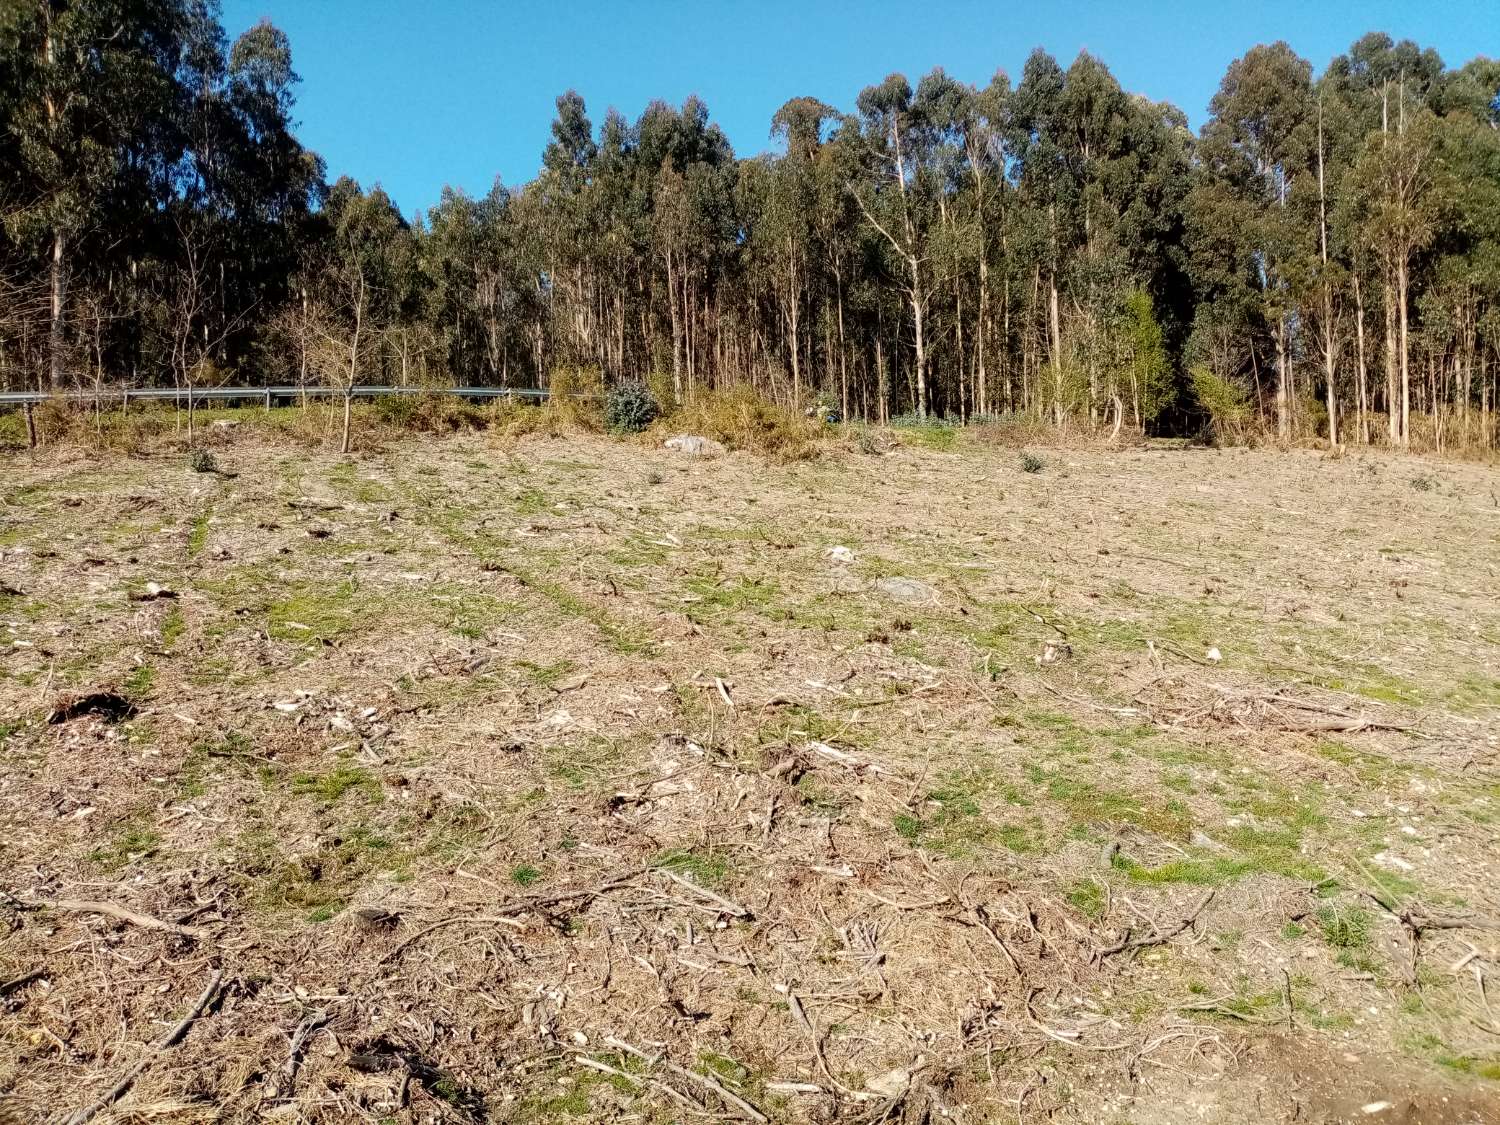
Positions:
(316, 613)
(332, 786)
(1087, 803)
(524, 875)
(1345, 927)
(1467, 1064)
(1087, 897)
(530, 502)
(707, 868)
(926, 433)
(1204, 870)
(717, 598)
(546, 675)
(953, 822)
(132, 843)
(734, 1071)
(197, 535)
(172, 627)
(137, 685)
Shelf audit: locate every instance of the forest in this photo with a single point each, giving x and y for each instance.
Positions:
(1320, 262)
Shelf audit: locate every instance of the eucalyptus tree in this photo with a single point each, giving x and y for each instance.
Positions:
(1252, 154)
(93, 87)
(894, 200)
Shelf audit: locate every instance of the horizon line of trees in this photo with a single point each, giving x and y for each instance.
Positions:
(1321, 259)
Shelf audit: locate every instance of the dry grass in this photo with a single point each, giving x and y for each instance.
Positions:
(569, 779)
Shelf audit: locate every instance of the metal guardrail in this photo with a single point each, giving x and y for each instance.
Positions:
(268, 395)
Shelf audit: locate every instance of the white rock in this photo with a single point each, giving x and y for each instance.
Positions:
(889, 1084)
(694, 445)
(906, 589)
(841, 554)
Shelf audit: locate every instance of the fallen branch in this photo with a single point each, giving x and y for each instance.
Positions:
(1067, 1038)
(145, 921)
(729, 1097)
(728, 905)
(502, 916)
(165, 1043)
(1156, 937)
(305, 1030)
(20, 982)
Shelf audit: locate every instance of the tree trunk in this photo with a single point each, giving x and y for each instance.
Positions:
(1055, 327)
(916, 312)
(1392, 410)
(1401, 294)
(55, 341)
(1362, 401)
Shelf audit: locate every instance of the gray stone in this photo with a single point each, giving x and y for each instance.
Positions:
(695, 446)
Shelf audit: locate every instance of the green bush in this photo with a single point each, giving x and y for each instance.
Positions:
(1031, 463)
(1227, 404)
(630, 407)
(201, 460)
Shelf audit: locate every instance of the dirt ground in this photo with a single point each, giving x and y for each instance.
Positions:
(452, 782)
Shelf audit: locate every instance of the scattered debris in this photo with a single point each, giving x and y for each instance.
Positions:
(110, 706)
(153, 591)
(1054, 652)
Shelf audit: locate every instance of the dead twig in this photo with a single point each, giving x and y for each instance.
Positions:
(305, 1030)
(1156, 937)
(145, 921)
(729, 1097)
(518, 906)
(165, 1043)
(20, 982)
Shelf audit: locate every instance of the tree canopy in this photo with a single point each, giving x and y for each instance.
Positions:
(1327, 246)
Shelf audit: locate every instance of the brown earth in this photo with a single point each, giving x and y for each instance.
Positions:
(578, 780)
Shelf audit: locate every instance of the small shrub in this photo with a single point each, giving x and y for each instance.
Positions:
(576, 398)
(201, 460)
(741, 419)
(1227, 405)
(1031, 463)
(630, 407)
(1424, 483)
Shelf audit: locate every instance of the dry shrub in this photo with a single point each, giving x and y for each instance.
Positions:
(742, 419)
(431, 413)
(576, 398)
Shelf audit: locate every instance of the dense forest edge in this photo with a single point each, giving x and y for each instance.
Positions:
(1321, 262)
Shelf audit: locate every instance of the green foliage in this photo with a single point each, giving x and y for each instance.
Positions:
(201, 460)
(630, 407)
(1149, 382)
(1031, 463)
(1226, 404)
(154, 166)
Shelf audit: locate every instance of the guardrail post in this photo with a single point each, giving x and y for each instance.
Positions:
(125, 401)
(30, 428)
(268, 398)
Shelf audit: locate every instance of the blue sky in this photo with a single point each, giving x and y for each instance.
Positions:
(416, 96)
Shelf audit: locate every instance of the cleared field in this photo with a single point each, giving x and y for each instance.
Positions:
(582, 780)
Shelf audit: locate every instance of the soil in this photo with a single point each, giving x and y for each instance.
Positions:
(575, 779)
